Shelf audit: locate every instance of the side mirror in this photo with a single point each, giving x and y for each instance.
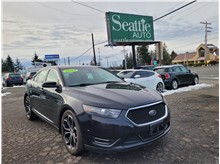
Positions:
(137, 76)
(189, 71)
(53, 85)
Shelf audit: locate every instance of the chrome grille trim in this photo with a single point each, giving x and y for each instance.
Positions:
(148, 123)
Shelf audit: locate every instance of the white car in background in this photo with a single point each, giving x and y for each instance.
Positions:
(149, 79)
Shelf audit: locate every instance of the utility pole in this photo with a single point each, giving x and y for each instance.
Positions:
(99, 57)
(206, 31)
(107, 60)
(125, 56)
(68, 60)
(93, 46)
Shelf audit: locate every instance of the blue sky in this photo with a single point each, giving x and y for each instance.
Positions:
(65, 27)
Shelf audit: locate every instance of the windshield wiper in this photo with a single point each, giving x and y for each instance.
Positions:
(109, 82)
(82, 85)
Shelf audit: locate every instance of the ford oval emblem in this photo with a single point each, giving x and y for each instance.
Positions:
(152, 112)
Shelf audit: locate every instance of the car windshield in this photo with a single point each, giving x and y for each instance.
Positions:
(82, 76)
(14, 75)
(129, 75)
(123, 73)
(161, 70)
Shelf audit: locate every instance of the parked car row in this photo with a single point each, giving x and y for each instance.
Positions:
(168, 76)
(10, 79)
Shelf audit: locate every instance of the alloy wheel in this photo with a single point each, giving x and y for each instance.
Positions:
(159, 87)
(27, 107)
(70, 134)
(174, 84)
(196, 80)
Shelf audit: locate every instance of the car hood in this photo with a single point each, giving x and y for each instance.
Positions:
(114, 95)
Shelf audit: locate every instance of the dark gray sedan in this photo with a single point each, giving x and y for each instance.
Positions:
(95, 110)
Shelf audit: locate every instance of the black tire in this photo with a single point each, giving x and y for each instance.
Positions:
(174, 84)
(195, 80)
(159, 87)
(71, 133)
(29, 113)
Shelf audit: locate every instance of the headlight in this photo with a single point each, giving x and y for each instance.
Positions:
(103, 112)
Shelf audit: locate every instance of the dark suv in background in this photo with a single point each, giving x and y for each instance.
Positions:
(10, 79)
(176, 75)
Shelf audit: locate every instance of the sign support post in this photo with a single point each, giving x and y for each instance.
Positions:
(134, 56)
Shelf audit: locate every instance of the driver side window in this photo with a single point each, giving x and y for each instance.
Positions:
(41, 76)
(52, 76)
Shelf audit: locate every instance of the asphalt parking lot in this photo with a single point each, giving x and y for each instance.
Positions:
(194, 135)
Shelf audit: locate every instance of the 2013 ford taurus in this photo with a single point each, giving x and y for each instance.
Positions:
(95, 110)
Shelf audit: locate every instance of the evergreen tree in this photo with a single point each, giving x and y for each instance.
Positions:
(129, 59)
(143, 55)
(36, 59)
(10, 64)
(166, 56)
(4, 66)
(18, 65)
(173, 55)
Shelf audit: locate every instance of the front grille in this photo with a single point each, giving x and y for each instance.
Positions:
(148, 114)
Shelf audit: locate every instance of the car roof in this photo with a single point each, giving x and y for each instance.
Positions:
(168, 66)
(68, 67)
(135, 70)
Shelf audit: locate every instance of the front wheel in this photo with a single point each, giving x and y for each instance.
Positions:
(174, 84)
(159, 87)
(71, 133)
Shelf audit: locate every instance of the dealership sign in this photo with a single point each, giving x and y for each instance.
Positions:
(123, 28)
(52, 57)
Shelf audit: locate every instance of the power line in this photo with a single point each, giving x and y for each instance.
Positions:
(174, 10)
(59, 10)
(196, 10)
(88, 50)
(174, 6)
(82, 54)
(85, 5)
(194, 42)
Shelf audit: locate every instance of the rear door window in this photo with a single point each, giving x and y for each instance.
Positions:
(144, 74)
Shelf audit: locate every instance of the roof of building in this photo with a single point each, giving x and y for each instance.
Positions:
(185, 56)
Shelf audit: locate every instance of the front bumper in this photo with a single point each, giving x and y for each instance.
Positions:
(117, 135)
